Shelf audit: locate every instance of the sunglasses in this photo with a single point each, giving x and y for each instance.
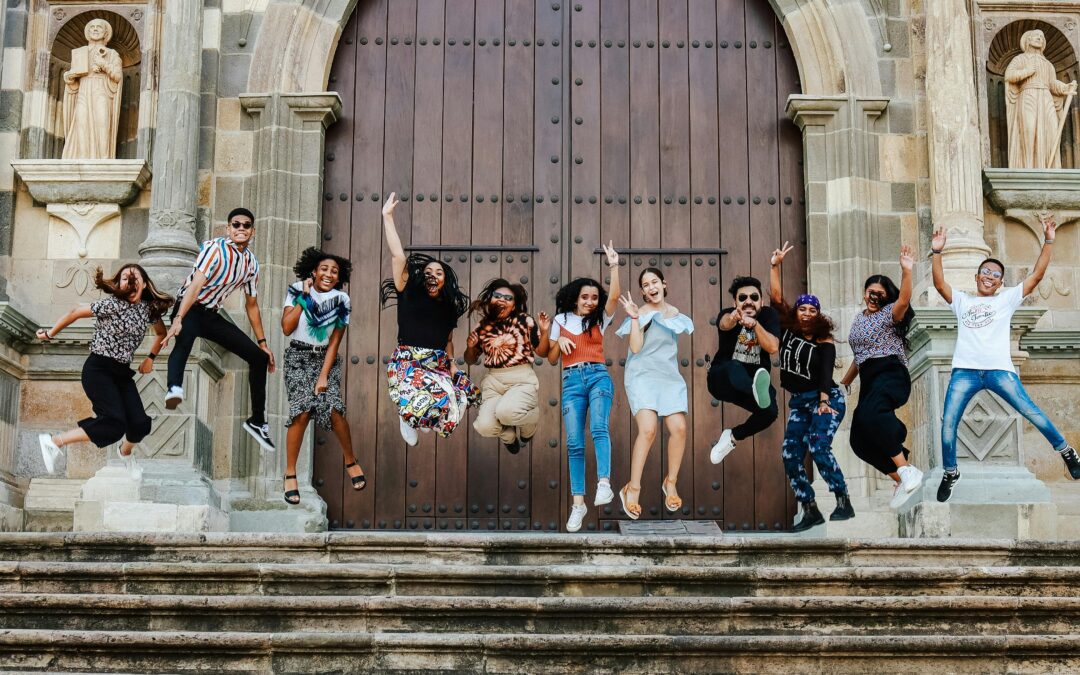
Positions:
(743, 297)
(990, 273)
(240, 225)
(501, 296)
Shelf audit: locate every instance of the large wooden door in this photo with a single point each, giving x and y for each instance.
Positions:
(520, 135)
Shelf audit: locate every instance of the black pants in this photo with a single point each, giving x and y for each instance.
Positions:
(877, 435)
(118, 410)
(209, 325)
(731, 382)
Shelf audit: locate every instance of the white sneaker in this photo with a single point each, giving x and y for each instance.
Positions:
(129, 462)
(577, 514)
(723, 446)
(898, 497)
(49, 452)
(604, 495)
(910, 478)
(174, 397)
(407, 432)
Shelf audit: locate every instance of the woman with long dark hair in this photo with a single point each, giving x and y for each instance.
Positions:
(878, 341)
(423, 381)
(584, 310)
(316, 315)
(816, 407)
(132, 303)
(508, 338)
(654, 386)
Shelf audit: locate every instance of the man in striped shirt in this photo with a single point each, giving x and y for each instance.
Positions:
(224, 265)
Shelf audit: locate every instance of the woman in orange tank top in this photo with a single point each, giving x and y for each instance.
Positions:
(584, 310)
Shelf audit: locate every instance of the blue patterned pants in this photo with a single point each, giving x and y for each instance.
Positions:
(807, 430)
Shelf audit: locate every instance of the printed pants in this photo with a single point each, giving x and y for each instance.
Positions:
(807, 430)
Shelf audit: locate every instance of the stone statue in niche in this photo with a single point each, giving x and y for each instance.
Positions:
(1036, 106)
(92, 96)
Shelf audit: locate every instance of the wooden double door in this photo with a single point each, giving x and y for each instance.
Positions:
(520, 135)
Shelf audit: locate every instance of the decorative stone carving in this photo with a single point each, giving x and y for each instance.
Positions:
(1021, 194)
(1036, 105)
(92, 96)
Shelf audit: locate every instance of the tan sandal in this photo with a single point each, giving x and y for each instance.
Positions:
(631, 509)
(671, 502)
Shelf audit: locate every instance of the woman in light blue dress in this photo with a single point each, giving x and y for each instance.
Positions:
(654, 386)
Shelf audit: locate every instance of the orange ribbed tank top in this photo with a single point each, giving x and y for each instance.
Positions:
(589, 347)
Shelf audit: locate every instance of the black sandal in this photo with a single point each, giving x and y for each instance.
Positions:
(358, 482)
(290, 495)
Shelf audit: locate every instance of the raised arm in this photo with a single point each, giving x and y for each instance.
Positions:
(1049, 232)
(393, 242)
(900, 307)
(543, 324)
(776, 289)
(637, 336)
(614, 288)
(290, 318)
(937, 245)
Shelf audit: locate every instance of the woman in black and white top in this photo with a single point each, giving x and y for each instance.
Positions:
(131, 303)
(816, 407)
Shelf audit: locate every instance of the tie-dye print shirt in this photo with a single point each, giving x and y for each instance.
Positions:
(509, 342)
(323, 312)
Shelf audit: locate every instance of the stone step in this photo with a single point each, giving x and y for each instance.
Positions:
(812, 616)
(530, 580)
(305, 652)
(533, 549)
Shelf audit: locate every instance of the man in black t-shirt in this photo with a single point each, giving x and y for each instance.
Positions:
(749, 335)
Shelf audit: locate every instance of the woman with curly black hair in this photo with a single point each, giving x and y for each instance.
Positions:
(316, 315)
(424, 383)
(131, 303)
(583, 311)
(879, 344)
(817, 406)
(509, 339)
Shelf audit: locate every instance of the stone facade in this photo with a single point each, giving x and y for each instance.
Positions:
(897, 117)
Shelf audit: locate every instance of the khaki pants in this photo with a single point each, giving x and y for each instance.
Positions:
(510, 402)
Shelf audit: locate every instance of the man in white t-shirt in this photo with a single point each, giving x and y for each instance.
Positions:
(983, 355)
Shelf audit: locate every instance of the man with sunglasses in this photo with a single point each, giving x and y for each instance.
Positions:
(983, 355)
(224, 265)
(749, 335)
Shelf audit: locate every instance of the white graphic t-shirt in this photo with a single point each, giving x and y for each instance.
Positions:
(982, 329)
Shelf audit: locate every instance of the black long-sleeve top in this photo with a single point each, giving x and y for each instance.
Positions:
(806, 365)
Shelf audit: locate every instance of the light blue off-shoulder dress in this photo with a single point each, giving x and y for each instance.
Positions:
(652, 377)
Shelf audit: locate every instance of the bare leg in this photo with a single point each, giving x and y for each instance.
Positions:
(647, 425)
(676, 427)
(293, 439)
(344, 436)
(76, 435)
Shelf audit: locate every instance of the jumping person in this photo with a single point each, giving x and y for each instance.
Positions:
(878, 340)
(508, 338)
(654, 386)
(584, 310)
(423, 382)
(739, 374)
(315, 316)
(982, 358)
(816, 407)
(131, 304)
(224, 265)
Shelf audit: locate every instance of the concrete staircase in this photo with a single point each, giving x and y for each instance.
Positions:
(351, 602)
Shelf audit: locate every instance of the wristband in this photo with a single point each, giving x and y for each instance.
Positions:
(261, 341)
(1048, 241)
(935, 252)
(151, 356)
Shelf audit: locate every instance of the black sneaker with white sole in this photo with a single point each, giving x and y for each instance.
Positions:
(1072, 462)
(260, 433)
(948, 480)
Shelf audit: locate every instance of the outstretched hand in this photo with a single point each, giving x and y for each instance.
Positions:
(391, 203)
(938, 242)
(612, 254)
(778, 254)
(907, 258)
(1049, 226)
(630, 306)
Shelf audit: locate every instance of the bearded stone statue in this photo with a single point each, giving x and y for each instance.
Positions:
(92, 96)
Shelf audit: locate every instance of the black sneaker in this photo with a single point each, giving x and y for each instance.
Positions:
(261, 433)
(811, 517)
(1072, 462)
(844, 510)
(948, 480)
(513, 447)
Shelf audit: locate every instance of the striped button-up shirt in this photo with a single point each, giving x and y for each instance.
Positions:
(227, 268)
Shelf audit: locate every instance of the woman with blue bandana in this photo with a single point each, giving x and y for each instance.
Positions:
(816, 408)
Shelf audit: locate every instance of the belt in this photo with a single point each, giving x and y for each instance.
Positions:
(306, 346)
(582, 365)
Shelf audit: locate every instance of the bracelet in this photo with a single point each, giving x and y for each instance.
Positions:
(935, 252)
(1048, 241)
(261, 341)
(151, 356)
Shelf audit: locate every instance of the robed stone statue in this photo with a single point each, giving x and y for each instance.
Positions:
(92, 96)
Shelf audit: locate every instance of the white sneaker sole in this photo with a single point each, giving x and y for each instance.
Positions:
(173, 402)
(761, 388)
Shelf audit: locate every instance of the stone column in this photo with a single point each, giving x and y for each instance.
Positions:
(170, 245)
(953, 120)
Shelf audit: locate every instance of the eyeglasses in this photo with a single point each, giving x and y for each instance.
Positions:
(743, 297)
(986, 271)
(501, 296)
(241, 225)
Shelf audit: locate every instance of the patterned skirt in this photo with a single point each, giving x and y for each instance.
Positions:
(302, 368)
(427, 395)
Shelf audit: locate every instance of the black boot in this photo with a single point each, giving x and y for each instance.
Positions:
(843, 510)
(811, 517)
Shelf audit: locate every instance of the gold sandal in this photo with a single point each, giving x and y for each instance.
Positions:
(631, 509)
(673, 502)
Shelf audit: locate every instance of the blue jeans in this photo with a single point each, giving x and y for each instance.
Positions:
(587, 390)
(807, 430)
(965, 383)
